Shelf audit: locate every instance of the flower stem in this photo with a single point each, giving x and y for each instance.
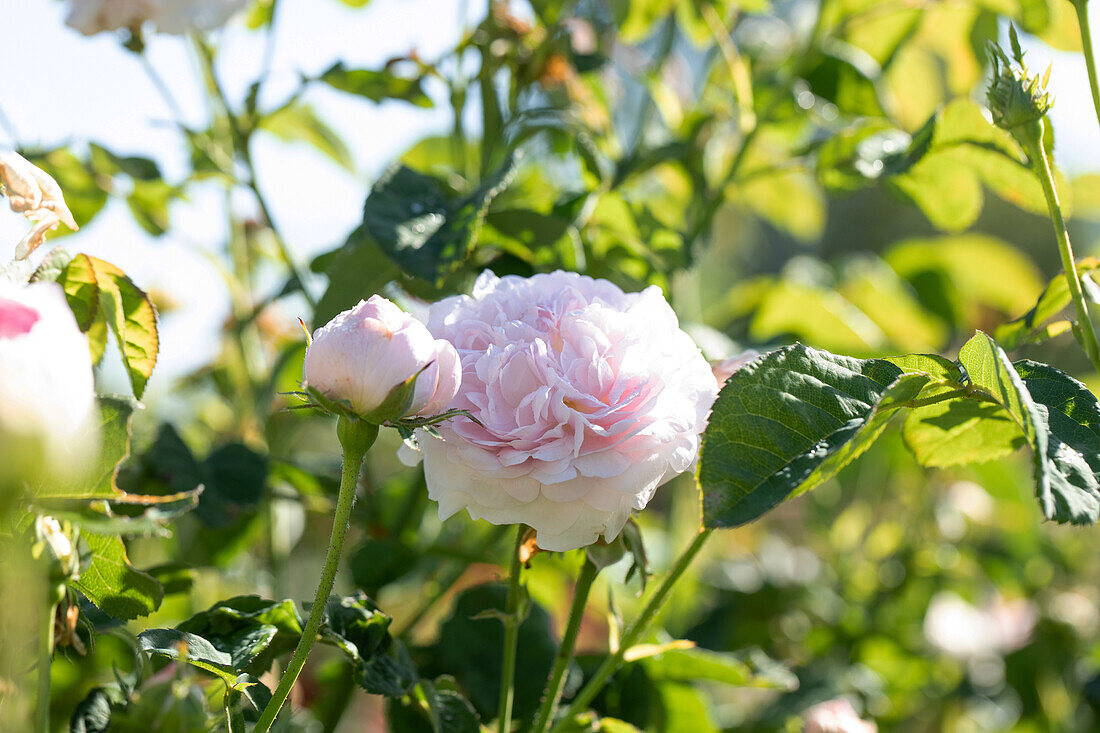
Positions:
(1081, 6)
(636, 630)
(565, 652)
(356, 438)
(511, 638)
(45, 658)
(1032, 137)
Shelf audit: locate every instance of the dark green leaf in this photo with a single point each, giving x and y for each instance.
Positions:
(790, 420)
(376, 85)
(251, 630)
(356, 626)
(195, 650)
(426, 231)
(377, 563)
(112, 584)
(355, 272)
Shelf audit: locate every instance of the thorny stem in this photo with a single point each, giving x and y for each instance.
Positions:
(511, 637)
(637, 629)
(354, 450)
(552, 695)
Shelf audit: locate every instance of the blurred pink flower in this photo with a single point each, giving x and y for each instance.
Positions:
(835, 716)
(35, 194)
(588, 399)
(362, 354)
(46, 389)
(726, 368)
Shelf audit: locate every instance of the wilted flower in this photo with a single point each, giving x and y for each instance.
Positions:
(362, 355)
(586, 400)
(726, 368)
(835, 716)
(60, 547)
(35, 194)
(963, 631)
(168, 16)
(47, 393)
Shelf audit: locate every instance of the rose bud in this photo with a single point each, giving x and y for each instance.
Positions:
(47, 394)
(585, 399)
(382, 362)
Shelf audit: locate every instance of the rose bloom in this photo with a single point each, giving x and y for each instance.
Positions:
(586, 400)
(362, 354)
(169, 16)
(835, 716)
(47, 394)
(35, 194)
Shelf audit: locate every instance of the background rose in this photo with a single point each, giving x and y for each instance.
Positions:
(835, 716)
(169, 16)
(362, 354)
(588, 397)
(47, 394)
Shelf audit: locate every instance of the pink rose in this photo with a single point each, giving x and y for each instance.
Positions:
(588, 399)
(835, 716)
(726, 368)
(362, 354)
(47, 395)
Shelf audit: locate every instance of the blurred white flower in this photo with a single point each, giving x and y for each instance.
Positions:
(168, 16)
(835, 716)
(587, 399)
(47, 394)
(35, 194)
(362, 354)
(971, 500)
(49, 531)
(964, 632)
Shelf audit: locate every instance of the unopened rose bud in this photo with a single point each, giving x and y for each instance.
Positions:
(1015, 97)
(364, 354)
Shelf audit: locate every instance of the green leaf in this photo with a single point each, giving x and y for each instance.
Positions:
(148, 202)
(1073, 421)
(129, 313)
(751, 668)
(949, 194)
(356, 626)
(195, 650)
(960, 431)
(376, 85)
(98, 481)
(430, 708)
(78, 279)
(816, 314)
(356, 271)
(469, 646)
(789, 421)
(789, 200)
(1062, 427)
(297, 122)
(1054, 299)
(108, 163)
(112, 584)
(251, 630)
(427, 232)
(52, 266)
(378, 562)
